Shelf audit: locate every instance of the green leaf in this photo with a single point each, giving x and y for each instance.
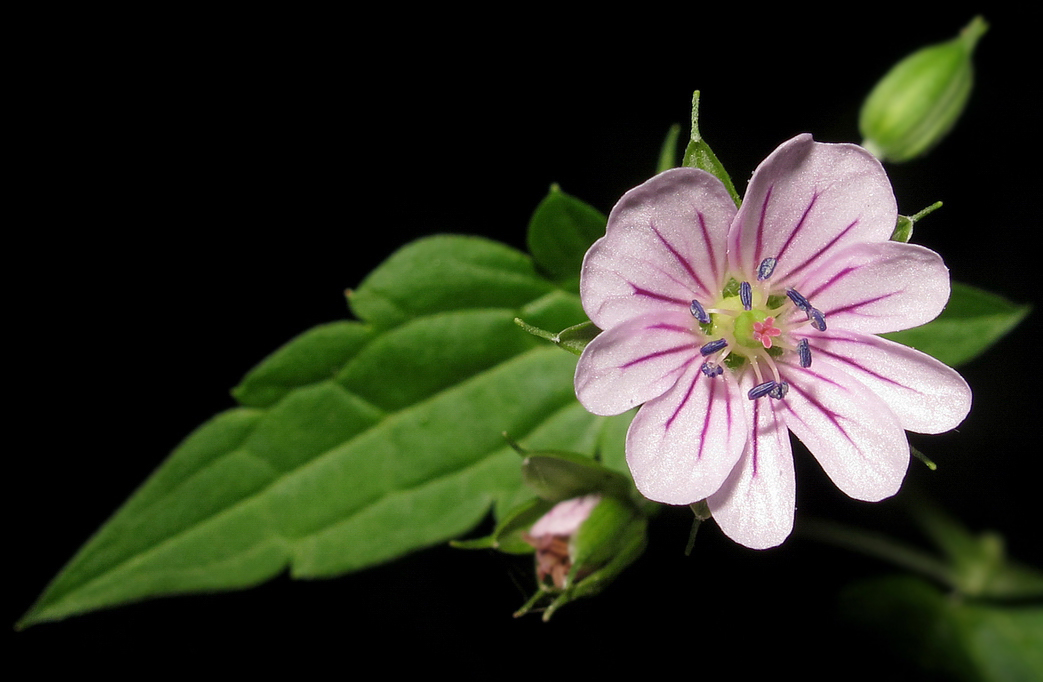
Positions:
(560, 232)
(972, 322)
(442, 274)
(315, 356)
(358, 441)
(973, 641)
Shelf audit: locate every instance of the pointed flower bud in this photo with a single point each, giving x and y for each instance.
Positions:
(919, 100)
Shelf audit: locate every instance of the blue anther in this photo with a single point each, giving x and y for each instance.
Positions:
(779, 391)
(746, 295)
(713, 347)
(818, 319)
(761, 390)
(804, 352)
(698, 312)
(798, 300)
(712, 369)
(765, 269)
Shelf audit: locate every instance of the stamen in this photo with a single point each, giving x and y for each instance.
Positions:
(798, 300)
(779, 391)
(746, 295)
(804, 351)
(765, 269)
(761, 390)
(818, 319)
(713, 347)
(764, 357)
(711, 370)
(699, 313)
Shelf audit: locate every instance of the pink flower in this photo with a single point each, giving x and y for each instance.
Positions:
(732, 327)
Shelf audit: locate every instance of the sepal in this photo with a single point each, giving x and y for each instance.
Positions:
(558, 476)
(573, 339)
(509, 535)
(699, 155)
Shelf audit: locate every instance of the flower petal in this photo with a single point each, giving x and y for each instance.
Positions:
(926, 395)
(565, 517)
(850, 431)
(808, 200)
(876, 288)
(635, 362)
(755, 505)
(682, 446)
(665, 242)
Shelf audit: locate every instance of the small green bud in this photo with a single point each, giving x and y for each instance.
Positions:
(919, 100)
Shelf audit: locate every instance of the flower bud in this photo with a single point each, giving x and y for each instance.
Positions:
(919, 100)
(581, 545)
(555, 538)
(584, 527)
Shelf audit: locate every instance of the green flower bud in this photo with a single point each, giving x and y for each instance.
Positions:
(919, 100)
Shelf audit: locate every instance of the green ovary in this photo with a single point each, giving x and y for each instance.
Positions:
(743, 328)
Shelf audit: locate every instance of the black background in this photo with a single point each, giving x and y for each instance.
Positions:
(196, 189)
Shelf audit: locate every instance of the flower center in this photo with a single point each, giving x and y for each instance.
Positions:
(755, 329)
(750, 325)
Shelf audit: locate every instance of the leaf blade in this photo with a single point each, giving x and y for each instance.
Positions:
(301, 479)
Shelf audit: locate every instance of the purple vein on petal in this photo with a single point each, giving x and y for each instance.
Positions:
(677, 255)
(638, 291)
(852, 308)
(709, 249)
(797, 228)
(684, 401)
(814, 257)
(706, 417)
(669, 327)
(819, 350)
(834, 417)
(658, 354)
(831, 281)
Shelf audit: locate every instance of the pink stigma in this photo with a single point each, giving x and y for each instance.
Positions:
(763, 331)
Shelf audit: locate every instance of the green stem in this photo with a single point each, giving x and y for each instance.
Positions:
(879, 546)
